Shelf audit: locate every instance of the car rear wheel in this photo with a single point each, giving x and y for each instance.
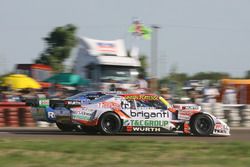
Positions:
(110, 123)
(202, 125)
(65, 127)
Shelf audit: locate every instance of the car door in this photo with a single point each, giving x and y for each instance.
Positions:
(145, 115)
(151, 110)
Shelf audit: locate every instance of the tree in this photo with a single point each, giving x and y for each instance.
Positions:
(60, 43)
(175, 80)
(144, 65)
(247, 76)
(213, 76)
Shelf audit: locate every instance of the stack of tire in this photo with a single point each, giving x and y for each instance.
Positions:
(245, 117)
(206, 107)
(12, 117)
(216, 110)
(219, 112)
(2, 120)
(27, 118)
(232, 114)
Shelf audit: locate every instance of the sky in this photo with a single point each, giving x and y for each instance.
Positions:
(194, 35)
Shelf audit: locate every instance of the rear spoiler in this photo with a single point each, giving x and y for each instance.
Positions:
(32, 102)
(52, 103)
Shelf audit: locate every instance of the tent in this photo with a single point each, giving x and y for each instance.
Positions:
(67, 79)
(19, 81)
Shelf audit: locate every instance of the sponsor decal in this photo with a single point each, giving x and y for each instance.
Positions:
(176, 106)
(148, 115)
(186, 128)
(82, 113)
(106, 47)
(80, 117)
(125, 104)
(149, 123)
(112, 105)
(146, 129)
(129, 129)
(44, 103)
(77, 110)
(141, 97)
(73, 102)
(62, 114)
(219, 127)
(190, 107)
(186, 114)
(61, 111)
(51, 115)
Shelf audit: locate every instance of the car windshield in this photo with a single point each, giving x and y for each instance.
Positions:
(165, 102)
(84, 95)
(157, 104)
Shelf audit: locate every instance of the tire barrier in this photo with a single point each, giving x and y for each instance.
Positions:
(15, 114)
(235, 115)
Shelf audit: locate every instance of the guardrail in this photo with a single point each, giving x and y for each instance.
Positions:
(15, 114)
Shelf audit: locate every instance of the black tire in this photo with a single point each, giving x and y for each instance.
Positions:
(109, 123)
(202, 125)
(65, 127)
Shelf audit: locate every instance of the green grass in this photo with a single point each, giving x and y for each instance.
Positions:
(42, 153)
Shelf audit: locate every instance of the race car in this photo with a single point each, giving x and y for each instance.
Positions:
(137, 113)
(43, 110)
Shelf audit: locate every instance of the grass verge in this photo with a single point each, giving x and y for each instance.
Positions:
(42, 153)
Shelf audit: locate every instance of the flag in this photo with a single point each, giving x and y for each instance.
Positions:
(138, 29)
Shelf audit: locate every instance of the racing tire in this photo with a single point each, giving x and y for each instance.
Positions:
(202, 125)
(109, 124)
(65, 127)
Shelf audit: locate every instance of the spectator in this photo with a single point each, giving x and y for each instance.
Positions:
(210, 94)
(141, 84)
(229, 96)
(165, 94)
(112, 87)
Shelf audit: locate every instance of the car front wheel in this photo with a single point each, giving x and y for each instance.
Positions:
(202, 125)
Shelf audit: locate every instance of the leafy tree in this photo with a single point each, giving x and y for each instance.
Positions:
(247, 76)
(175, 80)
(144, 65)
(60, 43)
(213, 76)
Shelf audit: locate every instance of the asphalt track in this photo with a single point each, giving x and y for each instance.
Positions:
(237, 134)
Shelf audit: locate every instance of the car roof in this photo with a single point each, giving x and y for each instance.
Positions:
(139, 94)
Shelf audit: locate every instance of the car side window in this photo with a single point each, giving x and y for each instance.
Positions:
(132, 104)
(154, 104)
(140, 103)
